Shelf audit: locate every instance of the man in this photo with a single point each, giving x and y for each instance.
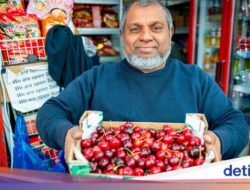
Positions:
(146, 86)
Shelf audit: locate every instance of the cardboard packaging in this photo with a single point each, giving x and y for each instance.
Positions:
(78, 165)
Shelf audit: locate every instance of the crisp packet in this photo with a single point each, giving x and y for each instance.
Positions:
(38, 7)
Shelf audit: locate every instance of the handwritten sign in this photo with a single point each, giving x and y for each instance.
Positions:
(30, 88)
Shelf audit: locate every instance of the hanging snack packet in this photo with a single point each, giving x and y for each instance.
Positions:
(16, 6)
(49, 22)
(3, 6)
(38, 7)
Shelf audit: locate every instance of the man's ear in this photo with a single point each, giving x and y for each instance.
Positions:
(171, 32)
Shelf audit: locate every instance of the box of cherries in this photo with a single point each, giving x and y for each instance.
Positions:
(118, 149)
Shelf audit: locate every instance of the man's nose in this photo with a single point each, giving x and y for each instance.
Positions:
(146, 35)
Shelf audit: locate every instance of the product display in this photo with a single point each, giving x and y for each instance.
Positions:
(12, 6)
(19, 27)
(132, 150)
(103, 45)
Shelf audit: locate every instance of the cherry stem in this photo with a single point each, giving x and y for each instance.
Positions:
(181, 157)
(116, 167)
(159, 139)
(129, 151)
(101, 137)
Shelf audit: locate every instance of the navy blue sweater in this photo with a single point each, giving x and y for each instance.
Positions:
(124, 93)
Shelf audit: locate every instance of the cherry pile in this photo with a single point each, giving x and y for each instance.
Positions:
(134, 151)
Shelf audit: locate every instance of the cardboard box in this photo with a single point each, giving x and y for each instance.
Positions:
(92, 119)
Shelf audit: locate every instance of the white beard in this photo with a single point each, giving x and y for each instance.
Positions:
(145, 63)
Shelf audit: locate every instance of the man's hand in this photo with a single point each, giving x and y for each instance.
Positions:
(73, 135)
(212, 143)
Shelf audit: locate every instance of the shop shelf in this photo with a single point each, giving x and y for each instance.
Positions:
(243, 54)
(108, 2)
(242, 88)
(98, 31)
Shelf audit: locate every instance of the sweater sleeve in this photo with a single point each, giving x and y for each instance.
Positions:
(228, 123)
(61, 113)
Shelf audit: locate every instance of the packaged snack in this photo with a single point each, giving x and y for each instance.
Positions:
(109, 18)
(49, 22)
(96, 13)
(3, 6)
(59, 8)
(18, 26)
(38, 7)
(82, 16)
(104, 46)
(16, 6)
(64, 9)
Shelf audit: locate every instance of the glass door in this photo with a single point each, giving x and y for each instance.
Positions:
(209, 34)
(239, 87)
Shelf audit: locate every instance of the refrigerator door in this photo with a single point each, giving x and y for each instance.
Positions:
(239, 83)
(209, 34)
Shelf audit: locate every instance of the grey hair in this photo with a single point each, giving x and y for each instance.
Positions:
(145, 3)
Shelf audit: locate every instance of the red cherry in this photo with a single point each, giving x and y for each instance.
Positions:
(153, 132)
(167, 129)
(197, 141)
(108, 138)
(160, 134)
(135, 136)
(168, 139)
(138, 171)
(148, 142)
(180, 139)
(121, 154)
(109, 154)
(173, 161)
(120, 171)
(187, 162)
(103, 163)
(115, 143)
(149, 162)
(100, 130)
(176, 147)
(130, 161)
(145, 152)
(187, 134)
(88, 153)
(194, 152)
(141, 162)
(155, 170)
(138, 143)
(110, 167)
(123, 137)
(128, 171)
(176, 167)
(160, 164)
(160, 154)
(96, 149)
(156, 146)
(137, 157)
(86, 143)
(127, 144)
(199, 161)
(99, 155)
(136, 129)
(104, 145)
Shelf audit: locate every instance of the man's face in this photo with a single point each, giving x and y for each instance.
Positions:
(146, 33)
